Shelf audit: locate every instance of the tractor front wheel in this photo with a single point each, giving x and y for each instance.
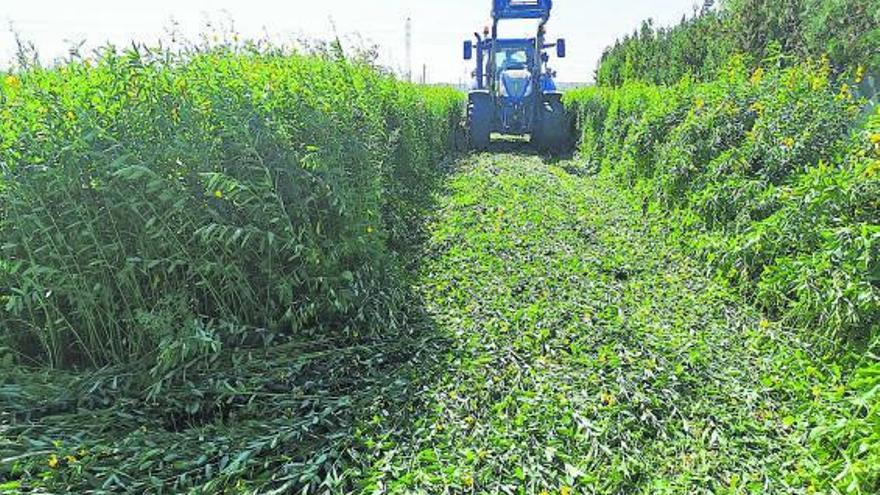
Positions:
(552, 128)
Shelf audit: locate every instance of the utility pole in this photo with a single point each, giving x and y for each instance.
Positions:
(408, 61)
(424, 73)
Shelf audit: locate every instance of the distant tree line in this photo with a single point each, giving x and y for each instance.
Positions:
(846, 31)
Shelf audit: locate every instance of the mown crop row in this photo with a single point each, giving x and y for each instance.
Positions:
(180, 202)
(772, 176)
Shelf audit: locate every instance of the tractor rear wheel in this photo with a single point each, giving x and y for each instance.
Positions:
(479, 119)
(552, 128)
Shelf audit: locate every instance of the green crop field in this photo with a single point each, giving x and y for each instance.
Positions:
(248, 269)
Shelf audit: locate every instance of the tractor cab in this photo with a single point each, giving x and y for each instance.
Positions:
(511, 63)
(513, 81)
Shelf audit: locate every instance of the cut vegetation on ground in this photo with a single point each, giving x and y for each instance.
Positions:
(589, 354)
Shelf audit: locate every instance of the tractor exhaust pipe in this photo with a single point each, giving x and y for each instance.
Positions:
(479, 71)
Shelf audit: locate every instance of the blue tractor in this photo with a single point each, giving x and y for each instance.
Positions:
(514, 92)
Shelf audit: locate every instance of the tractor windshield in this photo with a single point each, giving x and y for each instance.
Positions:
(511, 58)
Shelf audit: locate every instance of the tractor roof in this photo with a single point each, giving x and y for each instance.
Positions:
(522, 9)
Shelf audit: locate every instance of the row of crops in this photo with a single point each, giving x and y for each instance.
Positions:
(770, 173)
(776, 177)
(754, 128)
(180, 202)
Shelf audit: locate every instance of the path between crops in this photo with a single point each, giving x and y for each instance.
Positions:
(589, 355)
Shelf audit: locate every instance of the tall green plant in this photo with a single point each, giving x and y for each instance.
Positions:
(148, 193)
(761, 165)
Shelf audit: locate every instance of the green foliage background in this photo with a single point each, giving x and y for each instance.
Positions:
(846, 31)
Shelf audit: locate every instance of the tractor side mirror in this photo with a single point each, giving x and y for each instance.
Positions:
(468, 50)
(560, 48)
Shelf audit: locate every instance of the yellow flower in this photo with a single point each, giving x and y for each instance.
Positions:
(825, 66)
(875, 138)
(70, 116)
(758, 75)
(369, 229)
(565, 490)
(788, 142)
(53, 461)
(608, 399)
(218, 194)
(860, 74)
(757, 107)
(844, 92)
(70, 459)
(764, 323)
(13, 82)
(468, 481)
(873, 169)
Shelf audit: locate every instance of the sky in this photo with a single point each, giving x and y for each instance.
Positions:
(438, 27)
